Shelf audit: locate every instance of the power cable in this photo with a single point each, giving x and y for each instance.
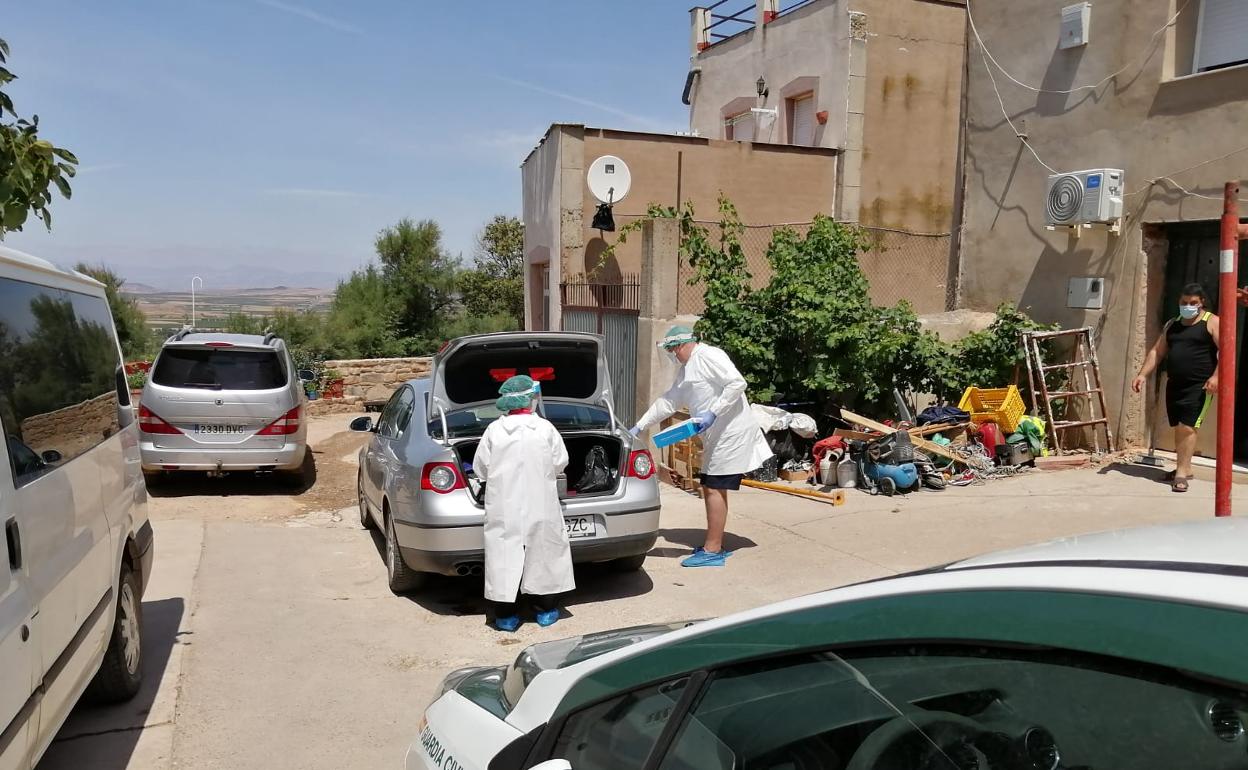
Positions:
(1076, 89)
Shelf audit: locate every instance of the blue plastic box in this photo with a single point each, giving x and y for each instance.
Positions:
(678, 432)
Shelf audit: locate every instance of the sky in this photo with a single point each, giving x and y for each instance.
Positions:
(287, 133)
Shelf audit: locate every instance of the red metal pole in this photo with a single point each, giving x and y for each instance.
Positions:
(1228, 312)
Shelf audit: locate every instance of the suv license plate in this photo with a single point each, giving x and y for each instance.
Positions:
(220, 430)
(580, 526)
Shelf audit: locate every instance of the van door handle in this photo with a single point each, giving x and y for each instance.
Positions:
(14, 538)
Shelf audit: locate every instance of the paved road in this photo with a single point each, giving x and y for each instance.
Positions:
(273, 642)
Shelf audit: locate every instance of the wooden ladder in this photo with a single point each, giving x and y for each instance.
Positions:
(1083, 358)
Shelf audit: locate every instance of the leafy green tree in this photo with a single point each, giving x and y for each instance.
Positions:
(132, 329)
(238, 322)
(362, 319)
(419, 279)
(29, 166)
(495, 286)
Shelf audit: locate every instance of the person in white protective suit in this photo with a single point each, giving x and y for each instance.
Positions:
(713, 391)
(526, 543)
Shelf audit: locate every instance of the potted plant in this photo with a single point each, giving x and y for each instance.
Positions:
(135, 381)
(332, 383)
(311, 388)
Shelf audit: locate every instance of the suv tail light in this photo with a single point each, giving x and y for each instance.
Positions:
(441, 478)
(640, 464)
(285, 425)
(149, 422)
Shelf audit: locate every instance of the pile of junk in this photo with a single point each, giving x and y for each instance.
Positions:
(988, 435)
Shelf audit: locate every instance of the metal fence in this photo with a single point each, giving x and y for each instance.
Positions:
(609, 309)
(898, 265)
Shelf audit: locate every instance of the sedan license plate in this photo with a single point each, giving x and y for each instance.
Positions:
(220, 430)
(580, 526)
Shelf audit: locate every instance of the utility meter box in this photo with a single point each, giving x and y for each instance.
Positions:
(1086, 292)
(1075, 21)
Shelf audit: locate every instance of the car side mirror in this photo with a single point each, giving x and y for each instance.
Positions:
(362, 425)
(307, 375)
(554, 764)
(51, 456)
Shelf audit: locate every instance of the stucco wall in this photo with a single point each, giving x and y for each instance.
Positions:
(911, 114)
(73, 429)
(539, 180)
(769, 184)
(809, 42)
(1143, 122)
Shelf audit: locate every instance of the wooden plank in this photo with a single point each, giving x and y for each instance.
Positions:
(857, 435)
(921, 443)
(928, 430)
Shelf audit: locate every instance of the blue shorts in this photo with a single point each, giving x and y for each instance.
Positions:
(731, 482)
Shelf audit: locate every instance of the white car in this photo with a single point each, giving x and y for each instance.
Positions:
(77, 551)
(1119, 650)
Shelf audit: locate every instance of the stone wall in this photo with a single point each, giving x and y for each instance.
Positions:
(72, 430)
(367, 380)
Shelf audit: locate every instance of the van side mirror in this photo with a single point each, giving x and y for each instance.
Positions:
(362, 425)
(554, 764)
(307, 375)
(51, 456)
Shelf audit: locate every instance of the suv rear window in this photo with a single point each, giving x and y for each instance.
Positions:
(219, 369)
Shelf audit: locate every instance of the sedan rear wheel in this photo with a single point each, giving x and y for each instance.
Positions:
(401, 578)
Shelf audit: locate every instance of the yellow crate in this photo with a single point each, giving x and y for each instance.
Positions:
(1004, 406)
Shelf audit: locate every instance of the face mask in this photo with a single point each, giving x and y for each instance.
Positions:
(1188, 312)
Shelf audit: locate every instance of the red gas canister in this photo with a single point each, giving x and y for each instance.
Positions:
(990, 436)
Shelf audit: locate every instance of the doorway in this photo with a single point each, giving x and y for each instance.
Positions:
(1192, 257)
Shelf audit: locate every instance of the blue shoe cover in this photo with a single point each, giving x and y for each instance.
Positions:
(548, 619)
(706, 559)
(509, 624)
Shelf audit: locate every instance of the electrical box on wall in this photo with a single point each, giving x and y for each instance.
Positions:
(1075, 21)
(1086, 292)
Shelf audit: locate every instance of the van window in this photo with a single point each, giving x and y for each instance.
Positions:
(58, 374)
(219, 369)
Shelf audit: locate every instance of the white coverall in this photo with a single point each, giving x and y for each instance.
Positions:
(710, 382)
(526, 542)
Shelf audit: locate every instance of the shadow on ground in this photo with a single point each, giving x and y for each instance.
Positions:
(1136, 471)
(694, 538)
(595, 583)
(195, 484)
(104, 737)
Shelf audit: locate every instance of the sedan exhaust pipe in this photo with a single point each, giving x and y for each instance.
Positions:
(465, 569)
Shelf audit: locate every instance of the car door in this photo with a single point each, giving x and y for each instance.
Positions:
(389, 434)
(375, 466)
(19, 713)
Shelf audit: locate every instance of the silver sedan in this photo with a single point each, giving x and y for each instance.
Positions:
(416, 481)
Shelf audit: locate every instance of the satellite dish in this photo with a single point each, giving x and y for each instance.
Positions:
(609, 179)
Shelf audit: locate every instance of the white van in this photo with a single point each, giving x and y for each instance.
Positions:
(77, 548)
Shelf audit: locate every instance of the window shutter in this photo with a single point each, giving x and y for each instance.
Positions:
(1223, 33)
(804, 121)
(740, 127)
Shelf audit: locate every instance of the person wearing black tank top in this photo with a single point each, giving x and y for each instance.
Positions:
(1189, 346)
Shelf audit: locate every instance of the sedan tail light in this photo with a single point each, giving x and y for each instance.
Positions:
(149, 422)
(285, 425)
(441, 478)
(640, 464)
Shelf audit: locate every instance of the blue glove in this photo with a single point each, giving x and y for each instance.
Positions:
(704, 420)
(634, 431)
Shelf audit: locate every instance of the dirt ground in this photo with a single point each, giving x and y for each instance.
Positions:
(329, 484)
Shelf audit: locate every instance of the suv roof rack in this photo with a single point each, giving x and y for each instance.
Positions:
(180, 333)
(269, 337)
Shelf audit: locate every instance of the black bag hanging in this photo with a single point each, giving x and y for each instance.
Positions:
(597, 477)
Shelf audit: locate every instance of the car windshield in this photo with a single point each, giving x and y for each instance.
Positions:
(464, 423)
(219, 369)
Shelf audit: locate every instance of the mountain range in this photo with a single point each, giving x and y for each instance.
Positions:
(146, 279)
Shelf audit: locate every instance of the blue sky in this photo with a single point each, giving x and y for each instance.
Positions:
(288, 132)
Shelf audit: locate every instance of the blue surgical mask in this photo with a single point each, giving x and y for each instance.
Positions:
(1188, 312)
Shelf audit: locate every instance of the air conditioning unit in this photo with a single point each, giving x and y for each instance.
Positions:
(1085, 197)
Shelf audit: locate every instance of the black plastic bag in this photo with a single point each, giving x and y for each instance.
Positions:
(787, 446)
(597, 476)
(768, 472)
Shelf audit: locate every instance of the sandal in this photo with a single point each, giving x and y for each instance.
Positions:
(1171, 474)
(1178, 485)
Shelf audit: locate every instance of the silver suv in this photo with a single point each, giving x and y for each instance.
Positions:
(224, 402)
